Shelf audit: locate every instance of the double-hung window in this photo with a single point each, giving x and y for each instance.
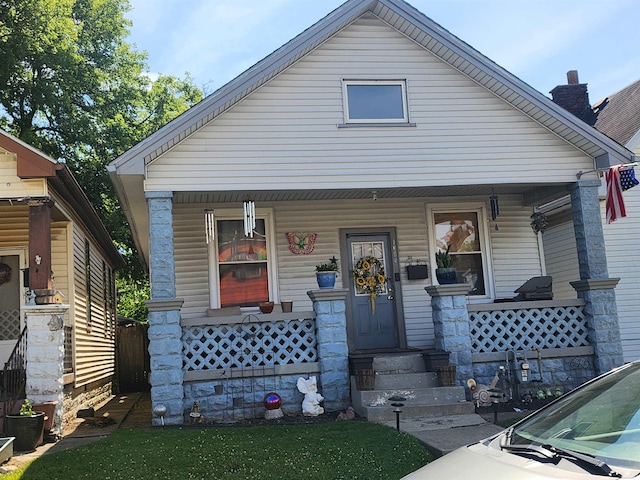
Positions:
(462, 231)
(243, 267)
(375, 101)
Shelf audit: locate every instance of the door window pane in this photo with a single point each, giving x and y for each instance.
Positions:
(368, 249)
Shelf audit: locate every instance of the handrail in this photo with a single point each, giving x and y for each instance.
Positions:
(14, 376)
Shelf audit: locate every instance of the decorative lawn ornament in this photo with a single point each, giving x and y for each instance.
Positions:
(311, 403)
(272, 403)
(370, 278)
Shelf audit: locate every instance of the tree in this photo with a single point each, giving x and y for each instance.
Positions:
(72, 87)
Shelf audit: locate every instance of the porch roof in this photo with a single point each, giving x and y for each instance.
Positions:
(32, 163)
(416, 26)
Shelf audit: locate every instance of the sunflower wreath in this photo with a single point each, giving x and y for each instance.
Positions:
(370, 278)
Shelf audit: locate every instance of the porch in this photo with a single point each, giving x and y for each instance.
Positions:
(230, 363)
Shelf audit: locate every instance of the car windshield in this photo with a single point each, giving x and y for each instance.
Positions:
(601, 419)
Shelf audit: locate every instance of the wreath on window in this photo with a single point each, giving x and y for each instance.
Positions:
(370, 278)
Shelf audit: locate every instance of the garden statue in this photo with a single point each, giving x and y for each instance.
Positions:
(311, 403)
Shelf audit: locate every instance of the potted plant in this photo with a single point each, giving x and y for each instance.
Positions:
(445, 271)
(27, 427)
(326, 274)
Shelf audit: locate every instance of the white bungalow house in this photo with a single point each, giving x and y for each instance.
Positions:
(57, 287)
(374, 133)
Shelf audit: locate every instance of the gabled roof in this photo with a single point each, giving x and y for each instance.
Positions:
(32, 163)
(416, 26)
(618, 115)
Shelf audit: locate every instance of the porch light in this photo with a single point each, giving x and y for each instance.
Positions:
(249, 208)
(209, 225)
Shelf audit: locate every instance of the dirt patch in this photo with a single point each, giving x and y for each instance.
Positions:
(140, 415)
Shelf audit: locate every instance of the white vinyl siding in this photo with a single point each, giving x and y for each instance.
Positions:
(621, 239)
(326, 218)
(285, 135)
(561, 259)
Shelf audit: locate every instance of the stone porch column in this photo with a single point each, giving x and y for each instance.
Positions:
(595, 287)
(165, 332)
(451, 326)
(333, 352)
(45, 357)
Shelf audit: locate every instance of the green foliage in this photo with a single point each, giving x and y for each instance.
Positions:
(26, 409)
(328, 451)
(71, 86)
(443, 259)
(327, 267)
(132, 293)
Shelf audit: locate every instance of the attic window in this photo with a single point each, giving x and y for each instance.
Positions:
(375, 101)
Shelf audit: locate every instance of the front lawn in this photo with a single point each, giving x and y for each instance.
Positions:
(337, 450)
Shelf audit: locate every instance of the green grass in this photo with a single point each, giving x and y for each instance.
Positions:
(331, 451)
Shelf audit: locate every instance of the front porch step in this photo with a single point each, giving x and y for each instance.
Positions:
(404, 375)
(375, 405)
(405, 380)
(387, 412)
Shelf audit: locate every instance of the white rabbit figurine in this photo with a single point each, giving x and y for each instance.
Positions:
(311, 403)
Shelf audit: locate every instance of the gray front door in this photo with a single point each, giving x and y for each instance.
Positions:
(372, 326)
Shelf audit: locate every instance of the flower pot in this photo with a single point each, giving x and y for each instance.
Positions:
(266, 307)
(446, 276)
(287, 306)
(326, 279)
(28, 431)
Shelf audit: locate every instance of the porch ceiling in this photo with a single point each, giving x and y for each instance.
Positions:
(532, 193)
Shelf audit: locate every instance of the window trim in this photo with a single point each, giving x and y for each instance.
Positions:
(373, 121)
(265, 214)
(483, 237)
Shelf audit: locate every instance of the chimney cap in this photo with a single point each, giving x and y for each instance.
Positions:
(572, 77)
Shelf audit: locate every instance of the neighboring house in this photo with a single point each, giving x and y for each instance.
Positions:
(618, 117)
(375, 132)
(57, 265)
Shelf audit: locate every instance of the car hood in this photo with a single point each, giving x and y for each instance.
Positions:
(480, 461)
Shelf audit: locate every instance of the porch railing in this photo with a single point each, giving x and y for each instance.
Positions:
(250, 345)
(500, 327)
(14, 375)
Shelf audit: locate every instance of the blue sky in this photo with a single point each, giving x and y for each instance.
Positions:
(536, 40)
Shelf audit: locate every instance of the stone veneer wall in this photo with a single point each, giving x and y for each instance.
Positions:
(74, 399)
(242, 398)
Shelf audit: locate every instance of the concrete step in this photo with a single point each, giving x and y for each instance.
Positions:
(425, 396)
(398, 363)
(410, 410)
(406, 380)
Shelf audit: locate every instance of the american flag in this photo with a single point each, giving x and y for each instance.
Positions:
(619, 179)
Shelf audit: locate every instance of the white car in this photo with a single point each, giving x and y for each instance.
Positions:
(589, 433)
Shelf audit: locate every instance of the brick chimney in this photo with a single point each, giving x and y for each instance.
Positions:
(574, 98)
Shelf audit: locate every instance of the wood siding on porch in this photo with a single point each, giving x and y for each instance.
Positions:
(285, 135)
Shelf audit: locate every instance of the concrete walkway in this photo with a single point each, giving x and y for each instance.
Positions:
(442, 435)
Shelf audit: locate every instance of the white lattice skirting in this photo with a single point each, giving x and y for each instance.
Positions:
(528, 328)
(249, 345)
